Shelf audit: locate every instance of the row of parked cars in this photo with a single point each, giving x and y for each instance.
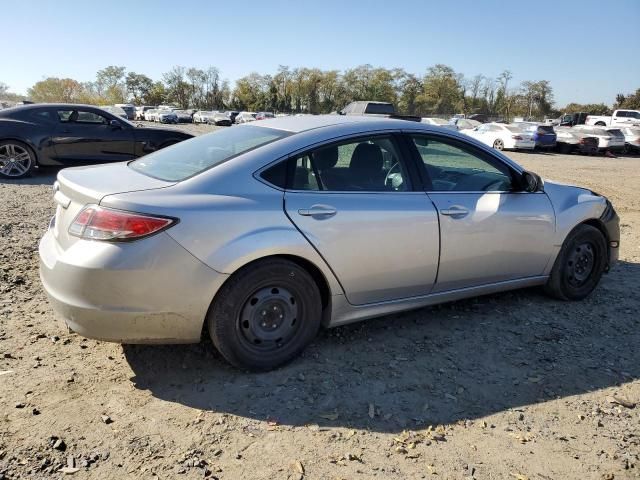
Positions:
(584, 139)
(171, 114)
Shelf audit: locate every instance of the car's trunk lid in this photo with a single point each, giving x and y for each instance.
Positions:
(80, 186)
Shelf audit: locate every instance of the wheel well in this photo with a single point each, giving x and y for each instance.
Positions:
(309, 267)
(600, 124)
(594, 222)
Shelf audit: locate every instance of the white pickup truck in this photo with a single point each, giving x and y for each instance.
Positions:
(619, 118)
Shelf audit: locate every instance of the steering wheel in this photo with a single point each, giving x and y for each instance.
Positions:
(395, 166)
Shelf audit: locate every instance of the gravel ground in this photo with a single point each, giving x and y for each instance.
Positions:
(508, 386)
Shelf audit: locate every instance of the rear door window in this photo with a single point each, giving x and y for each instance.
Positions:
(371, 164)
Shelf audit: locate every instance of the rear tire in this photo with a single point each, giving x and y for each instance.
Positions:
(265, 315)
(17, 160)
(498, 145)
(580, 264)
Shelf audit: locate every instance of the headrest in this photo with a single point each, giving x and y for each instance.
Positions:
(326, 158)
(367, 156)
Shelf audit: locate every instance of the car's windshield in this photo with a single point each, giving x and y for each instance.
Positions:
(194, 156)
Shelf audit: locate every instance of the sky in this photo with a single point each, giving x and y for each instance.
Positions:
(588, 49)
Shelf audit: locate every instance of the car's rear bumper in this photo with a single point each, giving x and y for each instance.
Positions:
(147, 291)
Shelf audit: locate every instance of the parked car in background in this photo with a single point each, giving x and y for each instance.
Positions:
(376, 109)
(479, 117)
(264, 115)
(129, 109)
(502, 137)
(543, 135)
(70, 134)
(464, 123)
(232, 115)
(184, 116)
(117, 111)
(607, 140)
(439, 122)
(166, 116)
(245, 117)
(619, 118)
(572, 119)
(368, 108)
(220, 119)
(569, 140)
(150, 115)
(200, 116)
(141, 110)
(224, 236)
(631, 139)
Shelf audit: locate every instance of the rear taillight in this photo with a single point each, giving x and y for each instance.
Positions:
(516, 137)
(100, 223)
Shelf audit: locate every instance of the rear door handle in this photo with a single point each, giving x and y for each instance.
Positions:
(318, 211)
(455, 211)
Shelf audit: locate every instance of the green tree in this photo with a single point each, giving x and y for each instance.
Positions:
(592, 108)
(55, 89)
(138, 86)
(110, 85)
(440, 90)
(177, 88)
(156, 95)
(630, 101)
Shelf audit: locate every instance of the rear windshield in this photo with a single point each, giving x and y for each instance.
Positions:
(380, 108)
(194, 156)
(616, 132)
(545, 129)
(514, 128)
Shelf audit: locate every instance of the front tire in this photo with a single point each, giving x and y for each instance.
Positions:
(17, 160)
(265, 315)
(580, 264)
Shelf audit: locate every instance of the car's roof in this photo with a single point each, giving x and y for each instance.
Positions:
(310, 122)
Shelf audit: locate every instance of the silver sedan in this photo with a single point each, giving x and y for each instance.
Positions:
(265, 232)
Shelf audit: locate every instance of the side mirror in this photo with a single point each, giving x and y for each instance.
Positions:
(114, 124)
(531, 182)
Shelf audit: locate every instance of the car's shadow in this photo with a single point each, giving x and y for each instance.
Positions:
(40, 176)
(436, 365)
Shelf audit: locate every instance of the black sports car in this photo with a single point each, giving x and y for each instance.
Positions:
(67, 134)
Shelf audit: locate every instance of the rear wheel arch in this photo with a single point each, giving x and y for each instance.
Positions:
(313, 270)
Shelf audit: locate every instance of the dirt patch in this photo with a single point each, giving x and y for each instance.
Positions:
(505, 386)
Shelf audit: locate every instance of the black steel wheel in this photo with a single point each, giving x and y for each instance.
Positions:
(265, 314)
(580, 264)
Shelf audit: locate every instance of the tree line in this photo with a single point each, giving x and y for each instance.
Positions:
(440, 91)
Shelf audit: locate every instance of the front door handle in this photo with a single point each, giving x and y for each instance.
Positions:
(321, 211)
(455, 211)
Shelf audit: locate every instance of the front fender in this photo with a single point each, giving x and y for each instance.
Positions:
(572, 206)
